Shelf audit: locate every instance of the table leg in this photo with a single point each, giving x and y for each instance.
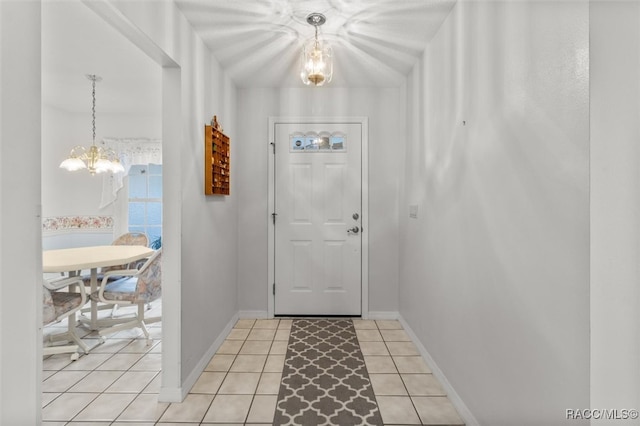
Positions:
(92, 321)
(94, 304)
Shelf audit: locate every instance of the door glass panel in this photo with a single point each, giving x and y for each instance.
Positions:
(317, 142)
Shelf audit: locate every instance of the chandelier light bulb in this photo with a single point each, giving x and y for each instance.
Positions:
(317, 65)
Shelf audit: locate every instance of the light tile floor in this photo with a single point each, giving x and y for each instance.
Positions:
(118, 382)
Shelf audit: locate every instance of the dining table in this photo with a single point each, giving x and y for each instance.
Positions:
(73, 260)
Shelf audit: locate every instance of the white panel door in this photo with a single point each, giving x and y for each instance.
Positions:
(318, 202)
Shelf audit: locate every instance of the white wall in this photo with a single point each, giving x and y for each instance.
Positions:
(383, 107)
(20, 252)
(494, 273)
(205, 226)
(615, 205)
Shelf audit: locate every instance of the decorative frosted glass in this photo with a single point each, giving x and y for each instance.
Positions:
(314, 142)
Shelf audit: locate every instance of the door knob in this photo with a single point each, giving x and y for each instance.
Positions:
(353, 230)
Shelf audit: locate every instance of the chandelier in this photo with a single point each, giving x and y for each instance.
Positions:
(317, 62)
(95, 159)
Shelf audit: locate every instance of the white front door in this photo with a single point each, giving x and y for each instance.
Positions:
(318, 206)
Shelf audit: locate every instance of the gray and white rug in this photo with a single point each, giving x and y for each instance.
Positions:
(325, 381)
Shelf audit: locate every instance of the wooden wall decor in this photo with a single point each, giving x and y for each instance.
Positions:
(217, 171)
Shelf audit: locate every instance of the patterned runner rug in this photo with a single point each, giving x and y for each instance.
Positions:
(325, 381)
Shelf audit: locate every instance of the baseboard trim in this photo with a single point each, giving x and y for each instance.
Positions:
(179, 394)
(253, 314)
(383, 315)
(453, 396)
(170, 395)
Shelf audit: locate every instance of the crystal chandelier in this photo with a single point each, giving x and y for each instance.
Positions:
(317, 62)
(95, 159)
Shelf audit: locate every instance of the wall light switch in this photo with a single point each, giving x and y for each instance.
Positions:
(413, 211)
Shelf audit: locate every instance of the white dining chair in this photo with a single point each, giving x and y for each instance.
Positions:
(135, 287)
(127, 239)
(58, 305)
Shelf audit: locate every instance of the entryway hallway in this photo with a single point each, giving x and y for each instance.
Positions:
(242, 382)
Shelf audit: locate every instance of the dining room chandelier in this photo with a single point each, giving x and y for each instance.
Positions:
(317, 60)
(96, 159)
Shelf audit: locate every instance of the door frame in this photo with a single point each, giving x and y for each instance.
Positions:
(364, 125)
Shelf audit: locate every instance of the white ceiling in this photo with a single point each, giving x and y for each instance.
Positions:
(375, 42)
(258, 42)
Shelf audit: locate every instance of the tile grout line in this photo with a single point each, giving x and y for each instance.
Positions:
(228, 371)
(411, 397)
(246, 416)
(127, 341)
(375, 397)
(104, 391)
(123, 372)
(75, 383)
(400, 375)
(253, 397)
(226, 374)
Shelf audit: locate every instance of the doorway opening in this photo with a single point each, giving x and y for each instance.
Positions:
(166, 122)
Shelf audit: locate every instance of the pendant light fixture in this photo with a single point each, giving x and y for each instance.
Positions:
(317, 61)
(95, 159)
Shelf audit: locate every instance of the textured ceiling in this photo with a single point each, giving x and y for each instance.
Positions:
(258, 42)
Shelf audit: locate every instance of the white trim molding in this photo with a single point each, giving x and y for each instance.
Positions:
(383, 315)
(458, 403)
(179, 394)
(253, 314)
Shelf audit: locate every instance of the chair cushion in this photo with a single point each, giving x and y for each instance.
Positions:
(48, 310)
(86, 279)
(58, 303)
(123, 289)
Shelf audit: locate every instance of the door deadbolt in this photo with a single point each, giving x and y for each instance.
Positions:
(355, 216)
(353, 230)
